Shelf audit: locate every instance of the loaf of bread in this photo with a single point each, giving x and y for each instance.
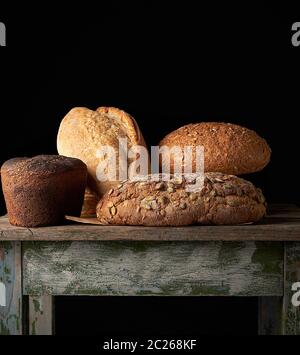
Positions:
(82, 132)
(228, 148)
(224, 199)
(89, 203)
(40, 191)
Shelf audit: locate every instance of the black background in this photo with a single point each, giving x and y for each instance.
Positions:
(166, 65)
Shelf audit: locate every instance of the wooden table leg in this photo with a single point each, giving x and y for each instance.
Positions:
(41, 312)
(10, 289)
(270, 315)
(291, 301)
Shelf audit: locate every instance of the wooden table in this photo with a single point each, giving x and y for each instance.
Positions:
(260, 260)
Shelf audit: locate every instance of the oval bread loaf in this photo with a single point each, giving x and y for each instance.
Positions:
(228, 148)
(224, 199)
(82, 132)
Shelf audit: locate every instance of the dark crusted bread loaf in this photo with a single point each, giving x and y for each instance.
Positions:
(40, 191)
(228, 148)
(224, 199)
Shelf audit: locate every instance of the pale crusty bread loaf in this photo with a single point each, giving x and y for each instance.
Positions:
(82, 132)
(224, 199)
(228, 148)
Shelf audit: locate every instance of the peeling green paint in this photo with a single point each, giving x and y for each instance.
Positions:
(6, 245)
(61, 246)
(37, 289)
(269, 256)
(6, 269)
(229, 252)
(153, 268)
(33, 328)
(4, 330)
(41, 246)
(36, 305)
(14, 318)
(10, 275)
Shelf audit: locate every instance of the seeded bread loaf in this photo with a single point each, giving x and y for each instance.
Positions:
(40, 191)
(224, 199)
(82, 132)
(228, 148)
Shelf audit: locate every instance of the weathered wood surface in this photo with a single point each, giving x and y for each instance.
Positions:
(282, 224)
(10, 279)
(151, 268)
(41, 315)
(270, 315)
(291, 304)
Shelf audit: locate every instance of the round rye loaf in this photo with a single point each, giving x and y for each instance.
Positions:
(40, 191)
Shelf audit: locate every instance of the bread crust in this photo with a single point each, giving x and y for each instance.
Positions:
(40, 191)
(89, 204)
(224, 199)
(228, 148)
(83, 131)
